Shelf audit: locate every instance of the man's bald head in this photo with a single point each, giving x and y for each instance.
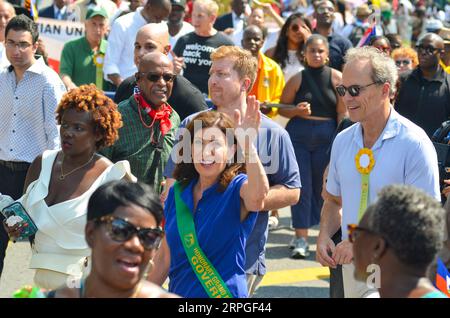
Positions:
(151, 37)
(152, 60)
(8, 6)
(430, 48)
(155, 78)
(7, 12)
(433, 38)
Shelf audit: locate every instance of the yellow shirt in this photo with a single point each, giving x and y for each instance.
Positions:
(445, 67)
(269, 82)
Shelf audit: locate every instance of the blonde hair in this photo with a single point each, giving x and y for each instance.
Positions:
(408, 52)
(209, 6)
(245, 64)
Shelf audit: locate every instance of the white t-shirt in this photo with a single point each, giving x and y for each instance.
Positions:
(120, 51)
(185, 29)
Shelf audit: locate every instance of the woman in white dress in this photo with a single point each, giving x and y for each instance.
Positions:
(59, 183)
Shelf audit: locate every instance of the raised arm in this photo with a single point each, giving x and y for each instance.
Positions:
(254, 190)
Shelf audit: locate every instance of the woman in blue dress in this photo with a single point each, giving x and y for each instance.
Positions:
(215, 194)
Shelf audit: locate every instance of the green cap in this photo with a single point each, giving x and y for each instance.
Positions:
(96, 11)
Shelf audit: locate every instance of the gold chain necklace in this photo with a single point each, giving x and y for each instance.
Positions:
(63, 176)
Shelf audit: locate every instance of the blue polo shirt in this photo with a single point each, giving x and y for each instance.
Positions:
(221, 235)
(277, 155)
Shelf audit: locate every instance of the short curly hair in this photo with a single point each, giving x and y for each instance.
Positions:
(104, 111)
(408, 52)
(411, 222)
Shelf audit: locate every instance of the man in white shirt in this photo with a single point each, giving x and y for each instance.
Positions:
(176, 24)
(7, 12)
(382, 148)
(233, 20)
(31, 92)
(119, 62)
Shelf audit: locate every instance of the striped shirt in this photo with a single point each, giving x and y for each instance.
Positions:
(27, 111)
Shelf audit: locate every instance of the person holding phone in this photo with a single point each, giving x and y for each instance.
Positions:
(59, 183)
(311, 127)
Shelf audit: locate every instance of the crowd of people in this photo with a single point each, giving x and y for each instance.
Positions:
(180, 175)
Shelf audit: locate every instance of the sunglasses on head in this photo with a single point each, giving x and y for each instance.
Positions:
(353, 90)
(402, 62)
(154, 77)
(427, 49)
(120, 230)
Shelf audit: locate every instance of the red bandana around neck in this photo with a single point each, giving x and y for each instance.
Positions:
(163, 114)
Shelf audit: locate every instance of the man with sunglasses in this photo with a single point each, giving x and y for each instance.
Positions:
(149, 122)
(382, 148)
(424, 96)
(185, 99)
(338, 45)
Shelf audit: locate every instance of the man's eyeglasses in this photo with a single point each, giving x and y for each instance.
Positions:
(120, 230)
(353, 231)
(402, 62)
(22, 46)
(353, 90)
(427, 49)
(322, 10)
(154, 77)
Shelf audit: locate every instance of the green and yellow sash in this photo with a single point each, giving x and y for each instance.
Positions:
(202, 267)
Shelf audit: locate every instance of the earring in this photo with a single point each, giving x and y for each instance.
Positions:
(327, 61)
(149, 268)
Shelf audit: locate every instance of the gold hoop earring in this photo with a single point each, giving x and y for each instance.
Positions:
(327, 61)
(149, 268)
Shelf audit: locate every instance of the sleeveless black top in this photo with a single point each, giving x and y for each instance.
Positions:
(322, 78)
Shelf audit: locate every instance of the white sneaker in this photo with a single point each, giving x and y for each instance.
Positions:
(273, 223)
(301, 248)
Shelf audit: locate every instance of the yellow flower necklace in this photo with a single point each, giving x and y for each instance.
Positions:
(98, 60)
(365, 162)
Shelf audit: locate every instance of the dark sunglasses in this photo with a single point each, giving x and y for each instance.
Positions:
(427, 49)
(402, 62)
(353, 90)
(353, 230)
(120, 230)
(154, 77)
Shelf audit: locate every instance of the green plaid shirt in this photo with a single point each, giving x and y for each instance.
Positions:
(135, 145)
